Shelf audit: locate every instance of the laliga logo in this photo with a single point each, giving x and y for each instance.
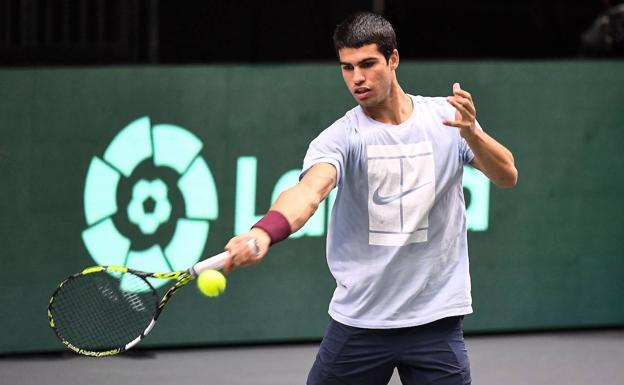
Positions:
(147, 170)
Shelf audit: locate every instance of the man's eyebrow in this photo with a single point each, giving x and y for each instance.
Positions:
(361, 61)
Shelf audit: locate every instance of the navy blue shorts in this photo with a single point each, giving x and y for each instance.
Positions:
(434, 353)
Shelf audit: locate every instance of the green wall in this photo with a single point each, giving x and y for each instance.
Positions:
(552, 256)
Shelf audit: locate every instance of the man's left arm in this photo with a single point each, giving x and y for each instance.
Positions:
(491, 157)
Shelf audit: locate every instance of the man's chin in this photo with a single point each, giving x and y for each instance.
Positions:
(366, 103)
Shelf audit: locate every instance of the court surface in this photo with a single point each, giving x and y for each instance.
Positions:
(560, 358)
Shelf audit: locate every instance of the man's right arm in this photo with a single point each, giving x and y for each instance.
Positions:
(300, 202)
(297, 205)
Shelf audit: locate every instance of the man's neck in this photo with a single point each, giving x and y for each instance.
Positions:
(396, 109)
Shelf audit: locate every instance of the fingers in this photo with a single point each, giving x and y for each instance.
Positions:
(462, 125)
(454, 123)
(457, 91)
(227, 264)
(456, 88)
(463, 105)
(241, 253)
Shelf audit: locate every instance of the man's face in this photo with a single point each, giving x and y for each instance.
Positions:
(367, 74)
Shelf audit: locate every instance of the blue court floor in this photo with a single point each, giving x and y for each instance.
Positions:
(561, 358)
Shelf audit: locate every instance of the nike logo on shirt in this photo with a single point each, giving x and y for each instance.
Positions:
(384, 200)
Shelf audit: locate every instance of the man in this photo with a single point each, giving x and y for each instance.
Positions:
(397, 239)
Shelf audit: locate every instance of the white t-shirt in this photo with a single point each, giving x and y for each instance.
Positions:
(397, 238)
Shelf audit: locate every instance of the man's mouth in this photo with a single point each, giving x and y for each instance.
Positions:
(361, 92)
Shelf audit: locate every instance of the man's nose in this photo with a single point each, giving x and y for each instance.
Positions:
(358, 76)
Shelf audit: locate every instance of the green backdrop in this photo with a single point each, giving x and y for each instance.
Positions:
(552, 256)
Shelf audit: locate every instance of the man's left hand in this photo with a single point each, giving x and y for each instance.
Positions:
(465, 114)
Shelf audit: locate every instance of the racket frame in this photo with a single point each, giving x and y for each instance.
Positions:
(182, 277)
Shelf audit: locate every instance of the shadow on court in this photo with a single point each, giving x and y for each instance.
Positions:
(562, 358)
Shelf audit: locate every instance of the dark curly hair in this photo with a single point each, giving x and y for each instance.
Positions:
(364, 28)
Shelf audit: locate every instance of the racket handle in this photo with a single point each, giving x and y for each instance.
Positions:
(216, 262)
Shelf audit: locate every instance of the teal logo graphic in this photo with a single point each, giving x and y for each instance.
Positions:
(156, 190)
(149, 199)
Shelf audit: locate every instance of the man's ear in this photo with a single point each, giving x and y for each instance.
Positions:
(393, 60)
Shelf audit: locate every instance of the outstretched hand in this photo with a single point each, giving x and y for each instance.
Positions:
(241, 254)
(465, 111)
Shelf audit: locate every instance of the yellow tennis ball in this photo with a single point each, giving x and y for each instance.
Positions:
(211, 283)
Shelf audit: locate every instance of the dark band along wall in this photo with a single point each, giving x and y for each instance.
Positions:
(547, 254)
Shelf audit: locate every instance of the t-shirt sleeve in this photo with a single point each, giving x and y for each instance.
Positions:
(329, 147)
(465, 152)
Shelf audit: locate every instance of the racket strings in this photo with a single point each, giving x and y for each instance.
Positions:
(103, 311)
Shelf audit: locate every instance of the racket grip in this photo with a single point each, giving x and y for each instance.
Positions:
(216, 262)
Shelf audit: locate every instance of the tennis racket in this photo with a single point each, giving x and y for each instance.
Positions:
(106, 310)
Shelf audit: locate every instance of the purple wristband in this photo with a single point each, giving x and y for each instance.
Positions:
(276, 225)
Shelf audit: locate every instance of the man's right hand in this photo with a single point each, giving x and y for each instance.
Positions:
(241, 254)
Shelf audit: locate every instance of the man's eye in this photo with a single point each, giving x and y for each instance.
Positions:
(347, 67)
(367, 64)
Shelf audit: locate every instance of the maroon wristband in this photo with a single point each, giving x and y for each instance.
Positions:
(276, 225)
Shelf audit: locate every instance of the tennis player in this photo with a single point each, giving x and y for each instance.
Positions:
(397, 239)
